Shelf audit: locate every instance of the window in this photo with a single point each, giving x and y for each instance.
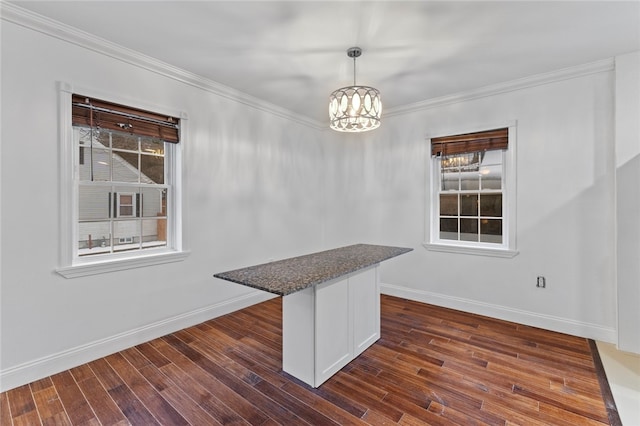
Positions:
(470, 203)
(123, 196)
(126, 208)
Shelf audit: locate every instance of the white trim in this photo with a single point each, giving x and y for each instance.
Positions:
(23, 17)
(67, 232)
(477, 251)
(603, 65)
(120, 264)
(533, 319)
(36, 369)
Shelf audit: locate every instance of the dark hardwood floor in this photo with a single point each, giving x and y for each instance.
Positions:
(431, 366)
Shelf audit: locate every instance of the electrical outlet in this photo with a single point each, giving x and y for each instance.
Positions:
(541, 282)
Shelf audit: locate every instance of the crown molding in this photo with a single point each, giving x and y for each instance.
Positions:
(15, 14)
(509, 86)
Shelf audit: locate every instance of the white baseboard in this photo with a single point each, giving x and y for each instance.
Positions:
(534, 319)
(37, 369)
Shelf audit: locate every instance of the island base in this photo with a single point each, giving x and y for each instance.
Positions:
(328, 325)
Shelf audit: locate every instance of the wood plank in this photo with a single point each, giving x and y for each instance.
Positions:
(74, 402)
(50, 408)
(42, 384)
(155, 357)
(144, 391)
(5, 410)
(103, 406)
(133, 409)
(21, 402)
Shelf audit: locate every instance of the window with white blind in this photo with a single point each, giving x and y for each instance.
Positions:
(123, 195)
(472, 203)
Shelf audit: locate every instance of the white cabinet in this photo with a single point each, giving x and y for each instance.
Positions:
(327, 325)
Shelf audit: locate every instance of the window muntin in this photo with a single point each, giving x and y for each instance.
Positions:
(121, 183)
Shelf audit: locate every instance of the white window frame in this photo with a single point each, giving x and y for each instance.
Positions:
(70, 264)
(432, 240)
(132, 205)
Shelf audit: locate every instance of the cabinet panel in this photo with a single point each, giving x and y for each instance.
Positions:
(298, 338)
(333, 341)
(365, 306)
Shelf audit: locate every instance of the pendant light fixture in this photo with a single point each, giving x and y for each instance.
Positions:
(355, 108)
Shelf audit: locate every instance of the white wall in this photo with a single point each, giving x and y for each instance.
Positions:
(565, 206)
(628, 200)
(254, 193)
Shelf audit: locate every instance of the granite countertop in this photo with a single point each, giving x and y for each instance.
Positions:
(287, 276)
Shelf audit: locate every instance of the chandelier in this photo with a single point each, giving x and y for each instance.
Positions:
(355, 108)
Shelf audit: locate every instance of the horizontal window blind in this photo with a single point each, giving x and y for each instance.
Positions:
(470, 142)
(96, 113)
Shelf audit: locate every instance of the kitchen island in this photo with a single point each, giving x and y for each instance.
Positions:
(330, 306)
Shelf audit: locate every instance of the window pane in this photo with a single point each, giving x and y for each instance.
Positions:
(93, 238)
(154, 233)
(450, 181)
(125, 167)
(491, 177)
(84, 163)
(126, 235)
(84, 136)
(469, 229)
(124, 141)
(101, 138)
(469, 204)
(448, 204)
(469, 181)
(449, 229)
(491, 231)
(152, 167)
(491, 205)
(491, 170)
(152, 146)
(154, 202)
(101, 164)
(93, 202)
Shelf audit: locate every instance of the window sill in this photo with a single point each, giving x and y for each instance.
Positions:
(94, 268)
(476, 251)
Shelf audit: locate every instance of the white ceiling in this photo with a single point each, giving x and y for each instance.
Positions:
(293, 53)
